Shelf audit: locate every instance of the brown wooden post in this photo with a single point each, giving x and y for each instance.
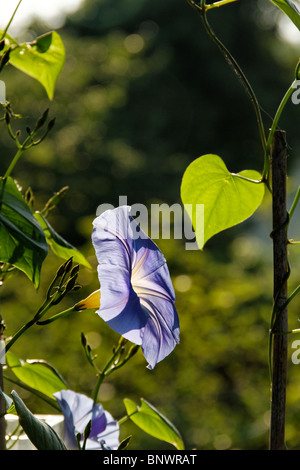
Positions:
(280, 275)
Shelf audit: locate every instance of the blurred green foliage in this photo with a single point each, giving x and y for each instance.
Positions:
(142, 94)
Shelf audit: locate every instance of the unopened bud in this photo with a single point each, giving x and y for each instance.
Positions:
(61, 270)
(77, 287)
(42, 120)
(68, 265)
(83, 340)
(87, 430)
(133, 350)
(71, 283)
(4, 59)
(51, 124)
(74, 270)
(123, 444)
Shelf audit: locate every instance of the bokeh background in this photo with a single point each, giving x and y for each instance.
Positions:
(143, 93)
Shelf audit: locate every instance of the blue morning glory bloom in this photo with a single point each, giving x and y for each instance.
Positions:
(137, 295)
(78, 410)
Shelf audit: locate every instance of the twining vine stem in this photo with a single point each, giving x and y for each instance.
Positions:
(202, 9)
(10, 21)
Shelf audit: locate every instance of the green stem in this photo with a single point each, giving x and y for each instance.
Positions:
(17, 432)
(290, 298)
(297, 330)
(279, 111)
(10, 21)
(294, 205)
(12, 135)
(28, 325)
(126, 418)
(293, 294)
(103, 374)
(238, 70)
(133, 350)
(247, 179)
(219, 4)
(57, 316)
(14, 162)
(17, 157)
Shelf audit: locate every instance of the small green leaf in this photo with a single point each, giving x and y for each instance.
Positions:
(228, 198)
(22, 240)
(59, 246)
(42, 436)
(290, 9)
(37, 374)
(150, 420)
(42, 59)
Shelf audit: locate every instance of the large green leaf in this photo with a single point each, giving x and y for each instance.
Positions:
(290, 9)
(150, 420)
(37, 374)
(22, 240)
(40, 433)
(42, 59)
(58, 244)
(228, 198)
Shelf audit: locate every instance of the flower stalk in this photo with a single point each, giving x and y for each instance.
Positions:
(66, 276)
(109, 366)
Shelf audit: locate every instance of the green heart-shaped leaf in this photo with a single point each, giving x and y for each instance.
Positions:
(228, 198)
(43, 59)
(37, 374)
(150, 420)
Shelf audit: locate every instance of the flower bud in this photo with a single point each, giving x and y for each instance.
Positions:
(92, 301)
(51, 124)
(42, 120)
(74, 270)
(68, 265)
(83, 340)
(71, 283)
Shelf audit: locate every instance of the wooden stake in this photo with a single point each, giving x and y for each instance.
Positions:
(2, 411)
(280, 275)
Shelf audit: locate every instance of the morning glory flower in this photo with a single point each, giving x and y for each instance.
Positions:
(137, 295)
(78, 411)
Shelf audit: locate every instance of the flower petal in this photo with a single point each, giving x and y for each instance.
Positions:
(161, 333)
(108, 439)
(78, 410)
(67, 402)
(137, 296)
